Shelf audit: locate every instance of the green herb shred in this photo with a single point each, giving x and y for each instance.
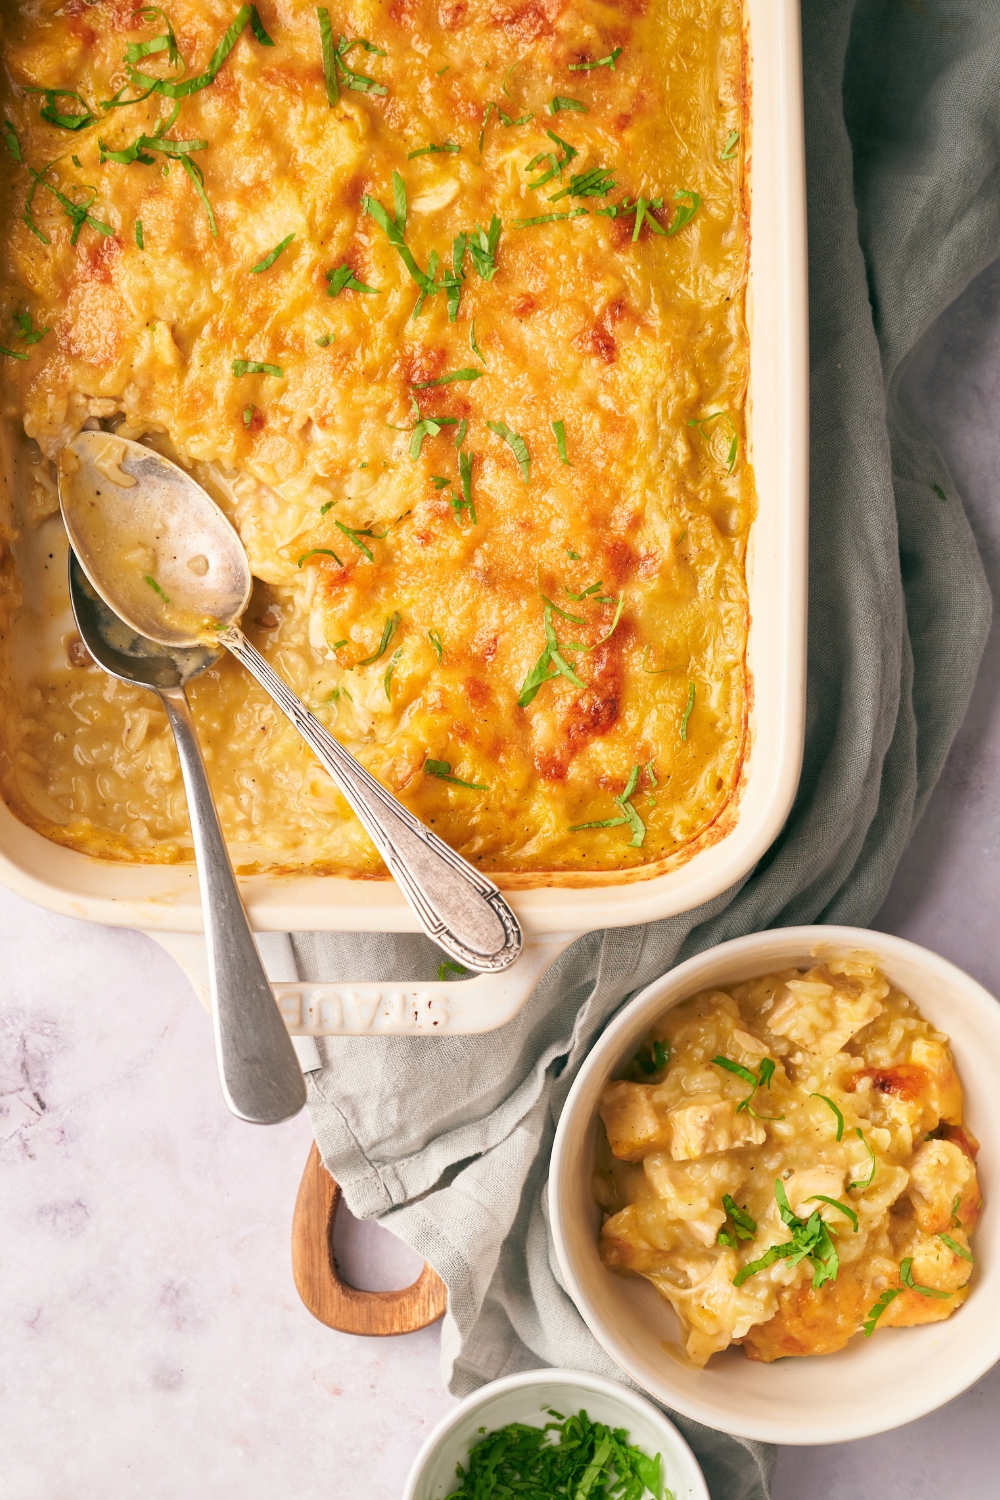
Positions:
(473, 345)
(442, 770)
(840, 1118)
(248, 412)
(320, 552)
(602, 62)
(155, 587)
(138, 234)
(343, 279)
(446, 969)
(256, 367)
(743, 1226)
(464, 374)
(652, 1061)
(268, 261)
(434, 637)
(517, 445)
(561, 102)
(431, 150)
(387, 679)
(629, 814)
(956, 1248)
(559, 428)
(729, 149)
(874, 1313)
(52, 114)
(810, 1240)
(871, 1175)
(388, 631)
(11, 141)
(685, 717)
(26, 332)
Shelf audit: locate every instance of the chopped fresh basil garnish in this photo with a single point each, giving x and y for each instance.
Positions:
(483, 248)
(688, 205)
(53, 116)
(324, 340)
(12, 353)
(687, 711)
(442, 770)
(138, 234)
(464, 374)
(248, 412)
(630, 816)
(939, 492)
(810, 1240)
(840, 1118)
(473, 345)
(602, 62)
(449, 968)
(871, 1175)
(355, 533)
(256, 367)
(761, 1080)
(874, 1313)
(655, 1061)
(466, 502)
(432, 150)
(344, 279)
(268, 261)
(561, 102)
(463, 428)
(729, 149)
(559, 428)
(181, 88)
(956, 1248)
(434, 637)
(592, 588)
(906, 1277)
(574, 213)
(744, 1227)
(427, 427)
(592, 184)
(388, 631)
(11, 141)
(155, 587)
(842, 1207)
(504, 119)
(77, 213)
(329, 56)
(517, 445)
(393, 230)
(26, 332)
(387, 679)
(320, 552)
(702, 422)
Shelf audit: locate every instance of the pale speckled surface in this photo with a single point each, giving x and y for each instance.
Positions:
(154, 1345)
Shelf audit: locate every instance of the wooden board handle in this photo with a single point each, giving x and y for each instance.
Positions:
(333, 1301)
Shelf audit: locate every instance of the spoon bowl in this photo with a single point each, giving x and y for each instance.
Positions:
(133, 517)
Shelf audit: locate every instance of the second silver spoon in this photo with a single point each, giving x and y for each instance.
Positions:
(161, 553)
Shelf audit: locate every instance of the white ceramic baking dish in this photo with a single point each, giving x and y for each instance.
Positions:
(163, 900)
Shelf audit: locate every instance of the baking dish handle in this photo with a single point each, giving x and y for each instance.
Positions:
(456, 1007)
(317, 1278)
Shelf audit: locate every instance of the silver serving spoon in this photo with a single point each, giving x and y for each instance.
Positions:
(261, 1078)
(161, 553)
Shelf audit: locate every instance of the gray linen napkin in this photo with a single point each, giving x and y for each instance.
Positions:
(447, 1142)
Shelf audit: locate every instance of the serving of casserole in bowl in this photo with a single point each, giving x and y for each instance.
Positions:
(767, 1192)
(485, 325)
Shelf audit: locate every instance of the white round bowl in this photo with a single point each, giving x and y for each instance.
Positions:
(872, 1385)
(525, 1398)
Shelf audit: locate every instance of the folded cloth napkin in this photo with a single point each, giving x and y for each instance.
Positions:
(447, 1142)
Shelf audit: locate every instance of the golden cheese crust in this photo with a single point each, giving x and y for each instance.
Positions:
(406, 530)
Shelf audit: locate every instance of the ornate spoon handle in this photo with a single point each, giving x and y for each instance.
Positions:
(456, 905)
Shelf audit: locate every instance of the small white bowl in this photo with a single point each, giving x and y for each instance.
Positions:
(526, 1398)
(872, 1385)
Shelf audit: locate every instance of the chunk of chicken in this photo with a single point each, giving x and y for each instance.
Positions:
(709, 1125)
(634, 1124)
(943, 1186)
(819, 1017)
(802, 1187)
(713, 1311)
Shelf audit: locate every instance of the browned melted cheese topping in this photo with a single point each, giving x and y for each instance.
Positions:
(443, 543)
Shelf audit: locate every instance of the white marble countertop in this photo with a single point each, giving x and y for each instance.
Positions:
(154, 1345)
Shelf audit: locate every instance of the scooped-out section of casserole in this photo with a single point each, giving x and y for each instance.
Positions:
(786, 1161)
(444, 304)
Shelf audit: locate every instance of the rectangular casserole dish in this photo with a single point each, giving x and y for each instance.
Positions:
(163, 899)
